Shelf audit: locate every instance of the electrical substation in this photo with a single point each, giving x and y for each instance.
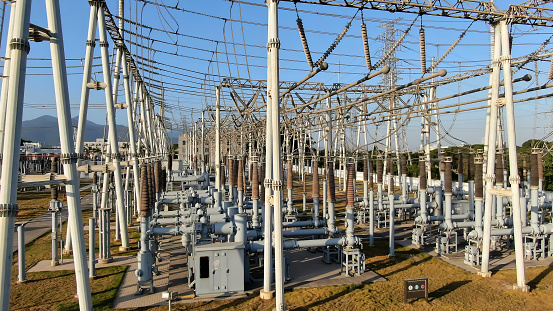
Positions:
(281, 156)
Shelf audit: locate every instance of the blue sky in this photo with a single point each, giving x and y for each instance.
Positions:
(202, 56)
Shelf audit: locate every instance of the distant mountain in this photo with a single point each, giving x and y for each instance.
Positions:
(44, 130)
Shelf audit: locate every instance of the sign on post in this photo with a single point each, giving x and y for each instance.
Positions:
(416, 288)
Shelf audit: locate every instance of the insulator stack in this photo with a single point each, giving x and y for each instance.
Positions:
(230, 172)
(390, 166)
(442, 164)
(471, 166)
(151, 186)
(499, 168)
(255, 182)
(422, 42)
(157, 175)
(144, 197)
(366, 46)
(448, 185)
(54, 168)
(366, 170)
(403, 165)
(289, 177)
(391, 187)
(379, 171)
(223, 176)
(54, 192)
(391, 171)
(170, 163)
(240, 179)
(163, 180)
(304, 42)
(422, 174)
(534, 174)
(262, 179)
(460, 164)
(333, 45)
(235, 172)
(350, 194)
(550, 74)
(315, 178)
(478, 182)
(195, 163)
(371, 179)
(540, 165)
(94, 178)
(331, 183)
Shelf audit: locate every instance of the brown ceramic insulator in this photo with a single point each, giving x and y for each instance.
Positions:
(371, 179)
(163, 180)
(157, 175)
(261, 172)
(231, 172)
(151, 185)
(534, 175)
(94, 178)
(391, 187)
(255, 182)
(170, 162)
(442, 165)
(223, 176)
(478, 182)
(290, 182)
(195, 163)
(331, 183)
(471, 166)
(144, 197)
(240, 177)
(448, 186)
(422, 173)
(350, 194)
(460, 164)
(379, 171)
(54, 192)
(366, 170)
(235, 173)
(315, 178)
(499, 168)
(403, 164)
(540, 165)
(390, 166)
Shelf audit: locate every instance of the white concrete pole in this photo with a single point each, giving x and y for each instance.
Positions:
(218, 138)
(69, 158)
(19, 46)
(6, 80)
(87, 70)
(491, 149)
(132, 138)
(273, 98)
(112, 131)
(514, 178)
(203, 143)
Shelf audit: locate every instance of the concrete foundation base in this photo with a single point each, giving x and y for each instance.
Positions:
(124, 249)
(104, 261)
(266, 295)
(485, 274)
(524, 288)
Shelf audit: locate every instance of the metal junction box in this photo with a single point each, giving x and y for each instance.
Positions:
(219, 268)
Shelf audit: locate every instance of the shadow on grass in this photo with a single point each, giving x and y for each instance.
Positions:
(535, 281)
(346, 290)
(446, 289)
(233, 303)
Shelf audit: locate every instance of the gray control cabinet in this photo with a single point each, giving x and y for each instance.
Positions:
(219, 268)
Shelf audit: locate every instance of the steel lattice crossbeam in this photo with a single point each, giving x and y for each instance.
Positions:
(467, 9)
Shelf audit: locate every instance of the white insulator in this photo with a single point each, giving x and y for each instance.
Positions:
(423, 50)
(448, 51)
(366, 45)
(333, 45)
(304, 43)
(550, 74)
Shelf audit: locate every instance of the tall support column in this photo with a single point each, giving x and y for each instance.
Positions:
(514, 178)
(113, 133)
(87, 70)
(273, 98)
(203, 144)
(19, 46)
(132, 137)
(218, 138)
(69, 158)
(491, 148)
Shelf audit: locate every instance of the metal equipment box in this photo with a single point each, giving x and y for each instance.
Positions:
(219, 268)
